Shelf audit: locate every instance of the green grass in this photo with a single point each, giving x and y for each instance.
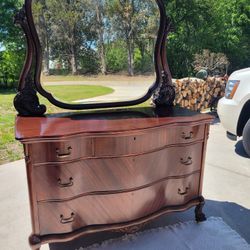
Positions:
(70, 93)
(10, 149)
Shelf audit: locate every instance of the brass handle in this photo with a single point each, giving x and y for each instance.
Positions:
(64, 155)
(67, 220)
(63, 185)
(187, 162)
(187, 136)
(180, 192)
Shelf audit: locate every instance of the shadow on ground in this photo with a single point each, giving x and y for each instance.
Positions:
(216, 117)
(236, 216)
(239, 149)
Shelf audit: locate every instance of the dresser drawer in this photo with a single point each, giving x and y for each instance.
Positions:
(112, 145)
(63, 150)
(63, 217)
(148, 141)
(63, 181)
(131, 144)
(185, 134)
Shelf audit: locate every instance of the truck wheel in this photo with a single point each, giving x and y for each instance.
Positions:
(246, 137)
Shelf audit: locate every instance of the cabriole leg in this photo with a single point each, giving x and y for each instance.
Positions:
(199, 215)
(35, 242)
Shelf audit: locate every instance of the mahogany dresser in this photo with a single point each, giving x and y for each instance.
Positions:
(111, 171)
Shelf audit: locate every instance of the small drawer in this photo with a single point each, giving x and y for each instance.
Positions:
(63, 150)
(68, 216)
(65, 181)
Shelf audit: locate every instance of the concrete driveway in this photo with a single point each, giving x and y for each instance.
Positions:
(226, 188)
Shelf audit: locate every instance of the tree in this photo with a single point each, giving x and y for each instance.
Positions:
(66, 33)
(12, 45)
(213, 63)
(11, 62)
(147, 26)
(193, 31)
(8, 31)
(133, 21)
(97, 26)
(66, 16)
(233, 34)
(99, 7)
(94, 36)
(221, 26)
(122, 14)
(41, 18)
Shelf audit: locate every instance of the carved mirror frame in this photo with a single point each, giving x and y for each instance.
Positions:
(26, 101)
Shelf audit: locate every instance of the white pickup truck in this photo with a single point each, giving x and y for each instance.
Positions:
(234, 108)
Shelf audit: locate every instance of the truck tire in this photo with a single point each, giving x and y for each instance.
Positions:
(246, 137)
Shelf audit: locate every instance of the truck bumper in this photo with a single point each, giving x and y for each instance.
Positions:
(228, 111)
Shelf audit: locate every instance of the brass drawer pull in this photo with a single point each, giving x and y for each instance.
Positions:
(63, 185)
(180, 192)
(67, 220)
(189, 161)
(62, 156)
(187, 136)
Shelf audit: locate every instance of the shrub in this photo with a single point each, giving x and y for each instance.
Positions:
(116, 56)
(11, 63)
(143, 64)
(88, 62)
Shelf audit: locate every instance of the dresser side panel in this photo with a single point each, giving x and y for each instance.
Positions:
(32, 190)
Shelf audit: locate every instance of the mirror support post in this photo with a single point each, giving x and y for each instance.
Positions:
(165, 93)
(26, 101)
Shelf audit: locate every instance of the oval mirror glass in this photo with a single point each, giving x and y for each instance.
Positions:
(96, 51)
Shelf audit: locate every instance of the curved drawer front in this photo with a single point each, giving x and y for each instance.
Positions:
(63, 181)
(62, 150)
(63, 217)
(113, 145)
(147, 141)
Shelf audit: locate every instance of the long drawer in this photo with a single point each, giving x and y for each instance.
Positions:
(67, 216)
(113, 144)
(63, 181)
(147, 141)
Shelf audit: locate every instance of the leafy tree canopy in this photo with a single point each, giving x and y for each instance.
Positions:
(92, 36)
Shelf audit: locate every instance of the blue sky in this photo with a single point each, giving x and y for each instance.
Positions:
(2, 48)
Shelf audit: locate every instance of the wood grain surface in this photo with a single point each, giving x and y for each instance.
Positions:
(115, 208)
(64, 181)
(59, 125)
(102, 171)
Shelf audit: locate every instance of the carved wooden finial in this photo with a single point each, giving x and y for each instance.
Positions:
(165, 94)
(26, 101)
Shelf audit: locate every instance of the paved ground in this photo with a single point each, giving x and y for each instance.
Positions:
(121, 93)
(226, 188)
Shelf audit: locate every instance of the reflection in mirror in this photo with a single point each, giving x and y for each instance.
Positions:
(97, 50)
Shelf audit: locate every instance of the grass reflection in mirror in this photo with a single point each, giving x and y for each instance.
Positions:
(71, 93)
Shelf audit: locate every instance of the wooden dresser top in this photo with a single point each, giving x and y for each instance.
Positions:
(65, 124)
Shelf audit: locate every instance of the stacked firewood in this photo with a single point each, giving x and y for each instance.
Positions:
(197, 94)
